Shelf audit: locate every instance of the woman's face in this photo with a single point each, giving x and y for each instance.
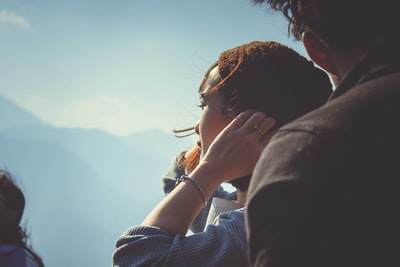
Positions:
(212, 120)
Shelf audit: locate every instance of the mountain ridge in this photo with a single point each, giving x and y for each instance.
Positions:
(82, 186)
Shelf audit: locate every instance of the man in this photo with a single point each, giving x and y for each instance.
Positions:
(325, 191)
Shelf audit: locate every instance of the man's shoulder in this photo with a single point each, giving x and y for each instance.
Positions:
(353, 110)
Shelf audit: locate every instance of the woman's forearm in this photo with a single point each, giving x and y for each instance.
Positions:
(177, 211)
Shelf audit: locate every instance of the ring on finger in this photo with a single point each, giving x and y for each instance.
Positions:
(259, 130)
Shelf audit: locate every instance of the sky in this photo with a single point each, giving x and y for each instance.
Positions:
(122, 66)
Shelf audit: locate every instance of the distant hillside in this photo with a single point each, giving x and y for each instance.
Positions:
(83, 187)
(12, 115)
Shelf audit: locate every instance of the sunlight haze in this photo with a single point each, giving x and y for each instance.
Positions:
(121, 66)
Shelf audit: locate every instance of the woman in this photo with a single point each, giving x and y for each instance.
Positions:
(246, 83)
(14, 251)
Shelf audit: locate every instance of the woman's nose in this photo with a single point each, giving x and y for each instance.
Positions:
(196, 128)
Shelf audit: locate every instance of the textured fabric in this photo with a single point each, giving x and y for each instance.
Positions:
(13, 256)
(223, 244)
(325, 191)
(218, 206)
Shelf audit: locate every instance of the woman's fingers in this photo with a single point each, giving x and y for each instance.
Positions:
(266, 138)
(254, 123)
(242, 119)
(248, 127)
(263, 128)
(240, 144)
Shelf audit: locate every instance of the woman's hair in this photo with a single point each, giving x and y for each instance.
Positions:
(13, 199)
(269, 77)
(272, 78)
(341, 23)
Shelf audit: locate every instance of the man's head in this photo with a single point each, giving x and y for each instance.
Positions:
(345, 24)
(336, 33)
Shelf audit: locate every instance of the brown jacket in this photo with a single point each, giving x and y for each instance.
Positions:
(326, 190)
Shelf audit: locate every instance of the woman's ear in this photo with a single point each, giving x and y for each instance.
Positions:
(318, 51)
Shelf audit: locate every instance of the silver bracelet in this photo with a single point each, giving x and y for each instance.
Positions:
(185, 177)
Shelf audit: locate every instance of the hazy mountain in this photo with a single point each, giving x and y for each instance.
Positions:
(11, 115)
(83, 187)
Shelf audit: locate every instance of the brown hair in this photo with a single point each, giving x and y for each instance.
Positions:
(272, 78)
(268, 77)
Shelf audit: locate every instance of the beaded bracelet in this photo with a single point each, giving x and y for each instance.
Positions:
(185, 177)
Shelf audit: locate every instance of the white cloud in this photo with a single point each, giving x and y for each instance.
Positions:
(110, 113)
(10, 18)
(37, 100)
(115, 114)
(102, 112)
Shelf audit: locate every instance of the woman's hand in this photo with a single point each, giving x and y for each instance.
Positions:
(233, 153)
(236, 149)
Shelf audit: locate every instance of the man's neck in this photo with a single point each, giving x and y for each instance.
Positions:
(345, 60)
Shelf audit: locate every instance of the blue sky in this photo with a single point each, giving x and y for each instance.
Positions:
(121, 66)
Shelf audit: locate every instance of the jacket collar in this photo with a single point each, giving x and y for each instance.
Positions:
(382, 59)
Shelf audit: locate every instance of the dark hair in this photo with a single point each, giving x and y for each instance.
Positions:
(272, 78)
(341, 23)
(268, 77)
(13, 198)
